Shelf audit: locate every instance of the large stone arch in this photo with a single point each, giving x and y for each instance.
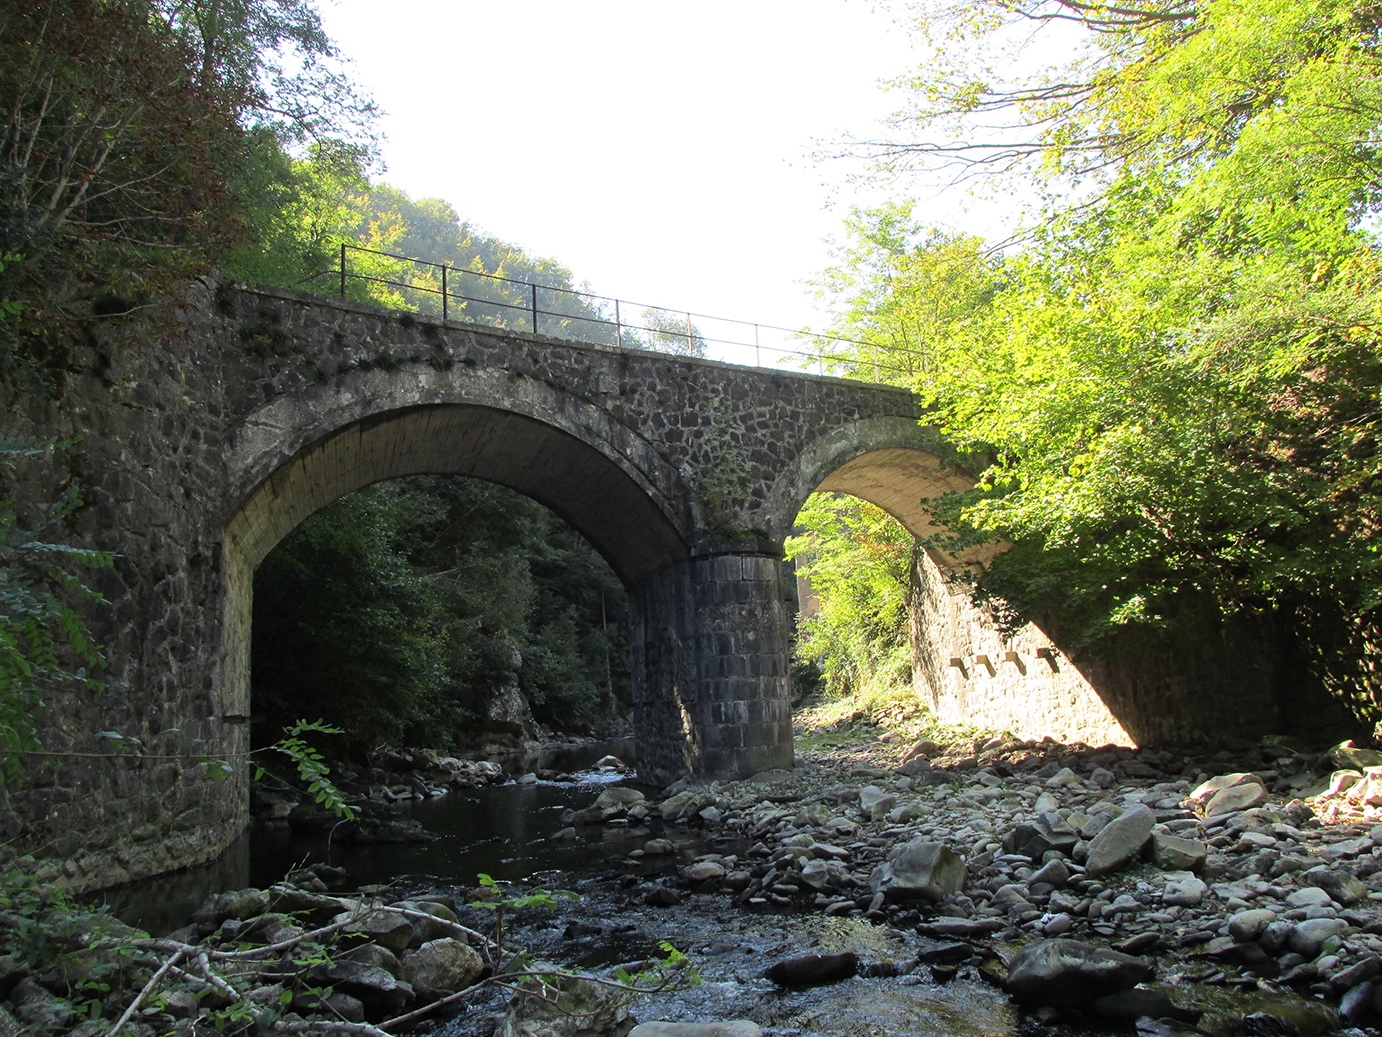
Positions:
(890, 461)
(620, 496)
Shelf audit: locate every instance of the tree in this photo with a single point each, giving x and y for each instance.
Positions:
(856, 558)
(1176, 380)
(669, 333)
(110, 156)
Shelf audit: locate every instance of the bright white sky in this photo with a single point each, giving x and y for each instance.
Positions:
(658, 150)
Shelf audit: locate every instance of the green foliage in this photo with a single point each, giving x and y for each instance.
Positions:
(401, 611)
(311, 767)
(1175, 382)
(857, 560)
(44, 641)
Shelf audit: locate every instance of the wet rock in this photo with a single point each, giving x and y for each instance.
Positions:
(812, 970)
(661, 896)
(733, 1028)
(445, 965)
(1070, 974)
(921, 869)
(1120, 842)
(658, 847)
(1127, 1006)
(1185, 891)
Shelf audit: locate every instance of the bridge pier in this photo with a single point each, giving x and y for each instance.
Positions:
(710, 665)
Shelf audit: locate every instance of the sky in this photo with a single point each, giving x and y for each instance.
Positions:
(660, 151)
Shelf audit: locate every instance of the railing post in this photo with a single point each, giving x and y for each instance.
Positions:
(618, 326)
(690, 347)
(343, 248)
(534, 307)
(757, 353)
(443, 293)
(876, 378)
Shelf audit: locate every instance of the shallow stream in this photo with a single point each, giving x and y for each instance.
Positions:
(506, 831)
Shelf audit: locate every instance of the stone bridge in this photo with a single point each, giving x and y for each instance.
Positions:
(202, 450)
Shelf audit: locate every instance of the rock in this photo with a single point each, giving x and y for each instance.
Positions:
(1206, 791)
(1347, 755)
(1342, 887)
(733, 1028)
(812, 970)
(1103, 777)
(379, 925)
(1309, 896)
(703, 870)
(617, 797)
(379, 992)
(584, 1009)
(1247, 926)
(1234, 799)
(685, 804)
(444, 965)
(239, 904)
(1034, 840)
(373, 954)
(1127, 1006)
(1053, 873)
(1070, 974)
(424, 929)
(875, 802)
(922, 869)
(1062, 778)
(1121, 841)
(824, 874)
(1311, 933)
(661, 896)
(610, 763)
(1174, 853)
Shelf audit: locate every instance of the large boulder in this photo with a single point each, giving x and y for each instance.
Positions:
(1121, 841)
(1070, 974)
(921, 869)
(444, 965)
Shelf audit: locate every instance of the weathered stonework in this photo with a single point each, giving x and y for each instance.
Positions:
(1233, 682)
(203, 449)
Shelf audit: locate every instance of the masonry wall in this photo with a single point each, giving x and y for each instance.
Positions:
(150, 419)
(1237, 681)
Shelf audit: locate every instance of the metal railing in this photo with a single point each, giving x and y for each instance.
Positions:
(459, 293)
